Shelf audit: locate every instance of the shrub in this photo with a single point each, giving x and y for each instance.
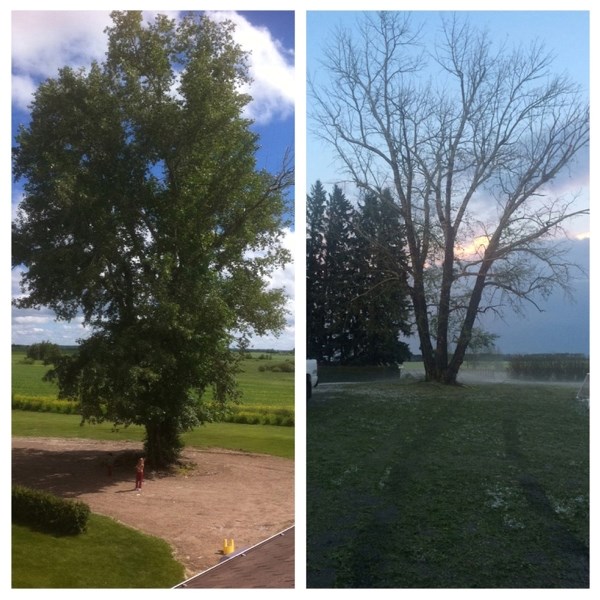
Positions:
(44, 404)
(48, 513)
(44, 351)
(286, 366)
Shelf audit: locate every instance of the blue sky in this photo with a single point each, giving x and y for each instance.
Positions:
(565, 34)
(43, 41)
(564, 325)
(46, 46)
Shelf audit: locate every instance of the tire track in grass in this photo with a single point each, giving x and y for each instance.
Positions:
(390, 525)
(341, 471)
(568, 547)
(367, 558)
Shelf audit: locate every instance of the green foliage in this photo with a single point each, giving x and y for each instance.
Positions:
(262, 415)
(107, 555)
(557, 367)
(48, 513)
(143, 210)
(251, 414)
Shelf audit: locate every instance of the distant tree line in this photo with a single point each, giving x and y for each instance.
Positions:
(558, 367)
(357, 308)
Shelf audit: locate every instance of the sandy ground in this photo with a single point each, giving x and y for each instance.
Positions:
(216, 495)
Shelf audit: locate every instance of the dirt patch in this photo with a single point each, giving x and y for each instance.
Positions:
(216, 494)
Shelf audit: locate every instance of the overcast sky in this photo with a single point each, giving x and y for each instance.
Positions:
(42, 42)
(564, 325)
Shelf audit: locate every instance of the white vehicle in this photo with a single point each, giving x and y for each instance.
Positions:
(312, 376)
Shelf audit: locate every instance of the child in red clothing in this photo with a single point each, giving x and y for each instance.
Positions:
(139, 474)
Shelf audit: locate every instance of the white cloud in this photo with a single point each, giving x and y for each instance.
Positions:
(16, 282)
(273, 86)
(23, 87)
(28, 328)
(28, 319)
(284, 278)
(44, 41)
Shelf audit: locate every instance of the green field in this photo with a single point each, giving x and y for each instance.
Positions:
(267, 408)
(27, 378)
(267, 392)
(261, 439)
(259, 388)
(415, 485)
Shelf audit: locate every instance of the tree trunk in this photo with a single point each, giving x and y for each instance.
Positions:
(162, 444)
(443, 316)
(427, 352)
(471, 314)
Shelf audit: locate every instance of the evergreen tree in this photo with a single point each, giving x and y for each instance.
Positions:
(382, 306)
(356, 280)
(316, 203)
(339, 276)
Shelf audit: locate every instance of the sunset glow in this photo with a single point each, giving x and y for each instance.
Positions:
(475, 249)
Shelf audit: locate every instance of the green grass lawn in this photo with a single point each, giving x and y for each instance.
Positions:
(107, 555)
(262, 439)
(413, 485)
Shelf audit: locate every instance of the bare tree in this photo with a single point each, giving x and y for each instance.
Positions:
(469, 156)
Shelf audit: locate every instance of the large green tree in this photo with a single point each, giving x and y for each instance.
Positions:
(144, 212)
(330, 244)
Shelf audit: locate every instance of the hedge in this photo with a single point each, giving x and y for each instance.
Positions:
(256, 415)
(44, 404)
(48, 513)
(253, 415)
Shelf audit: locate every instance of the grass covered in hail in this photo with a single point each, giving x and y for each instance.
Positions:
(417, 485)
